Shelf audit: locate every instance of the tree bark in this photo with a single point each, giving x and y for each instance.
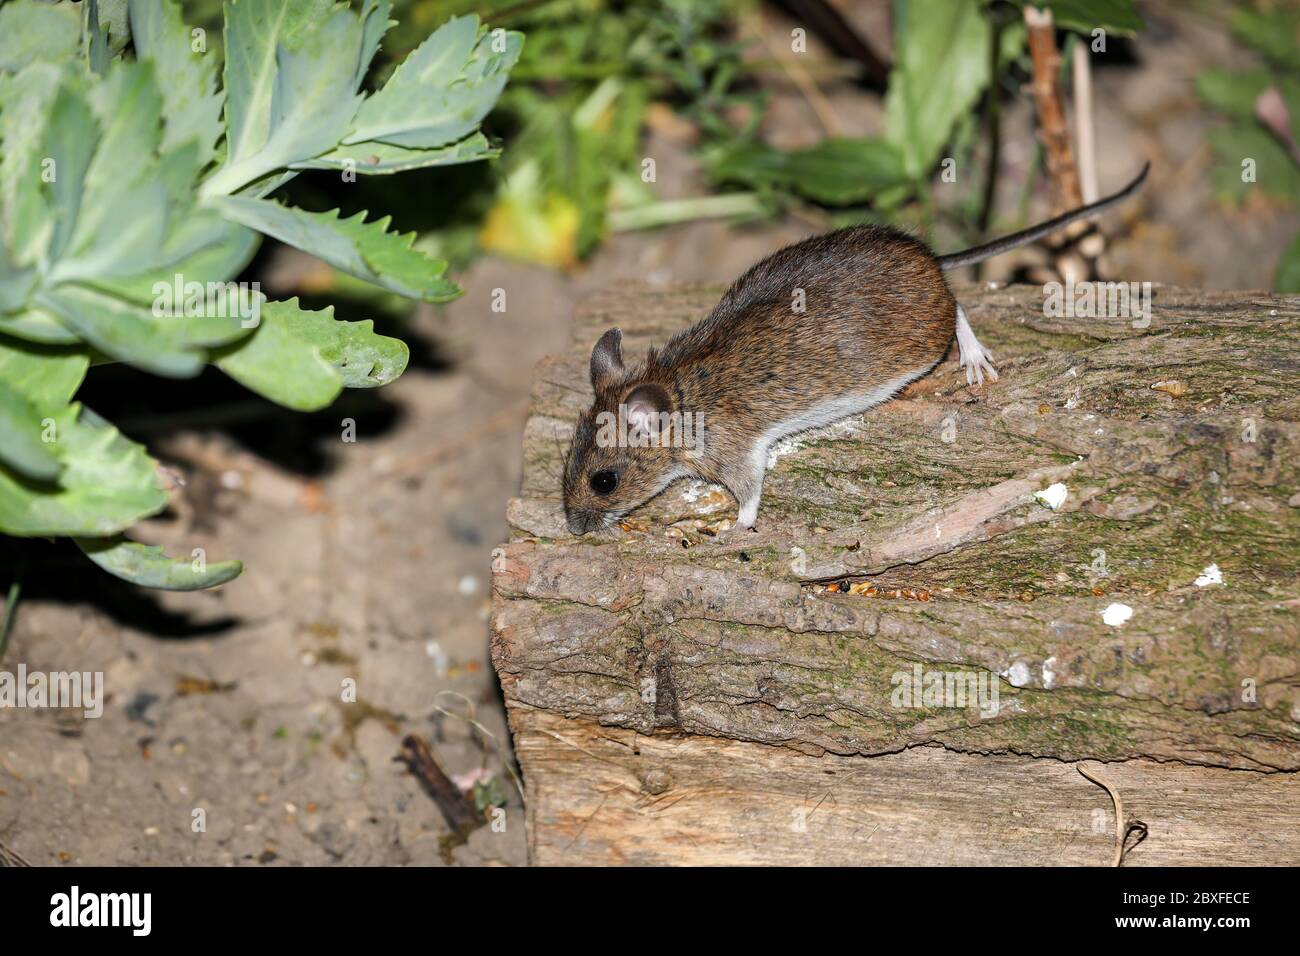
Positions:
(664, 688)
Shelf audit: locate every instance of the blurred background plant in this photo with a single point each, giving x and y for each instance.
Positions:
(1262, 107)
(594, 75)
(597, 75)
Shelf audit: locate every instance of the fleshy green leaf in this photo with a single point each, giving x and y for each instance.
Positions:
(37, 325)
(366, 250)
(254, 29)
(442, 91)
(303, 359)
(114, 18)
(221, 251)
(286, 98)
(69, 145)
(122, 220)
(941, 65)
(151, 568)
(383, 158)
(21, 447)
(46, 377)
(25, 98)
(94, 38)
(193, 112)
(165, 341)
(32, 31)
(15, 284)
(374, 24)
(107, 483)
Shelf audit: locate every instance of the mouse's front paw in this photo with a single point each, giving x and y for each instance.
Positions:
(734, 533)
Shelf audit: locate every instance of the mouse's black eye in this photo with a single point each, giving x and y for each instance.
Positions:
(603, 482)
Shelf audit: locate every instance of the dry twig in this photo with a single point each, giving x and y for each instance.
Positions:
(1121, 831)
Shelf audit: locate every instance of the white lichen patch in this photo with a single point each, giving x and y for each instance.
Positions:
(1053, 496)
(1116, 614)
(704, 498)
(1211, 575)
(1049, 675)
(1017, 674)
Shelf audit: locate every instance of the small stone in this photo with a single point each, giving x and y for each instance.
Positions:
(656, 782)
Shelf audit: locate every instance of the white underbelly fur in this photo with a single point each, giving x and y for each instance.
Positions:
(828, 412)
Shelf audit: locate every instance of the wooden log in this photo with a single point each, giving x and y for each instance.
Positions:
(607, 796)
(911, 540)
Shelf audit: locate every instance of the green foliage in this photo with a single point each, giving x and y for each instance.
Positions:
(1288, 270)
(304, 359)
(835, 172)
(1274, 34)
(924, 100)
(151, 568)
(1113, 16)
(589, 73)
(133, 190)
(928, 108)
(1235, 94)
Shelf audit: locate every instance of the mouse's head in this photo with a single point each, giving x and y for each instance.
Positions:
(623, 451)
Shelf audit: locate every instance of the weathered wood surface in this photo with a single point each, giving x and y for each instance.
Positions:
(608, 796)
(659, 629)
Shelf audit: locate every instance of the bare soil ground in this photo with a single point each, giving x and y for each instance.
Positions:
(368, 560)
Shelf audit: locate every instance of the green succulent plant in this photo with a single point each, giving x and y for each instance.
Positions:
(134, 188)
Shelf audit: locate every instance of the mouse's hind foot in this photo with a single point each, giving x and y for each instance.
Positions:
(975, 358)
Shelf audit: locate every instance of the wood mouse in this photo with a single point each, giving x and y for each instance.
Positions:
(820, 330)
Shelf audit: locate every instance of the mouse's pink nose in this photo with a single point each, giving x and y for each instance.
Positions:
(580, 522)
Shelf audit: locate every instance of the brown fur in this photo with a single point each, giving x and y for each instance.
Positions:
(877, 307)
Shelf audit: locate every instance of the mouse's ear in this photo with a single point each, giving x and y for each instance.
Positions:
(646, 404)
(607, 360)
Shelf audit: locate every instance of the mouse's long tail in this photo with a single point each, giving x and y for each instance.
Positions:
(968, 257)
